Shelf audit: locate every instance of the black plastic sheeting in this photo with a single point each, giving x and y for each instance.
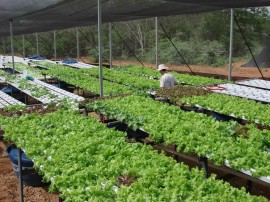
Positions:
(262, 59)
(43, 15)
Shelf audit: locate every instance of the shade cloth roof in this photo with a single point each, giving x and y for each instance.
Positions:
(42, 15)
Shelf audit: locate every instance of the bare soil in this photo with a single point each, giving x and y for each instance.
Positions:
(40, 109)
(238, 72)
(9, 186)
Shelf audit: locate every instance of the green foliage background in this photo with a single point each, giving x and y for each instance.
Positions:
(201, 39)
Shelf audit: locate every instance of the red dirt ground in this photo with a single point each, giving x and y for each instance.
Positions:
(237, 70)
(9, 187)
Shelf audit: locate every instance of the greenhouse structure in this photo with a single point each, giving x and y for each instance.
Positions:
(92, 133)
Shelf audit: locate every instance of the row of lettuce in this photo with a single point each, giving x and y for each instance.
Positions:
(241, 147)
(192, 80)
(25, 84)
(237, 107)
(114, 82)
(234, 106)
(81, 80)
(86, 161)
(87, 80)
(134, 80)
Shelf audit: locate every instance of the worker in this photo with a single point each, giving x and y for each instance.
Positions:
(167, 81)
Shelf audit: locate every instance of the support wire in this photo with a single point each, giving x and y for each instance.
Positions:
(176, 48)
(127, 45)
(242, 33)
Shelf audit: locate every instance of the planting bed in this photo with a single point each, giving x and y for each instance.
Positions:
(223, 107)
(84, 160)
(202, 135)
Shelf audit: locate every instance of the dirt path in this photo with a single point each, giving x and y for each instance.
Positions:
(237, 70)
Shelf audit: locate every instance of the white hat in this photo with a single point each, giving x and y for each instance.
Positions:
(162, 67)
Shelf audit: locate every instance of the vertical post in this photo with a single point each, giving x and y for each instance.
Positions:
(23, 46)
(110, 43)
(4, 48)
(248, 186)
(231, 48)
(25, 99)
(37, 43)
(11, 43)
(100, 47)
(78, 43)
(156, 25)
(54, 44)
(204, 163)
(20, 174)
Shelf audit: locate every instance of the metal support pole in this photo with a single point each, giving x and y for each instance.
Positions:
(20, 174)
(100, 47)
(204, 163)
(4, 48)
(78, 44)
(85, 112)
(110, 43)
(231, 47)
(156, 24)
(23, 46)
(37, 43)
(11, 43)
(249, 186)
(11, 91)
(45, 79)
(25, 99)
(54, 44)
